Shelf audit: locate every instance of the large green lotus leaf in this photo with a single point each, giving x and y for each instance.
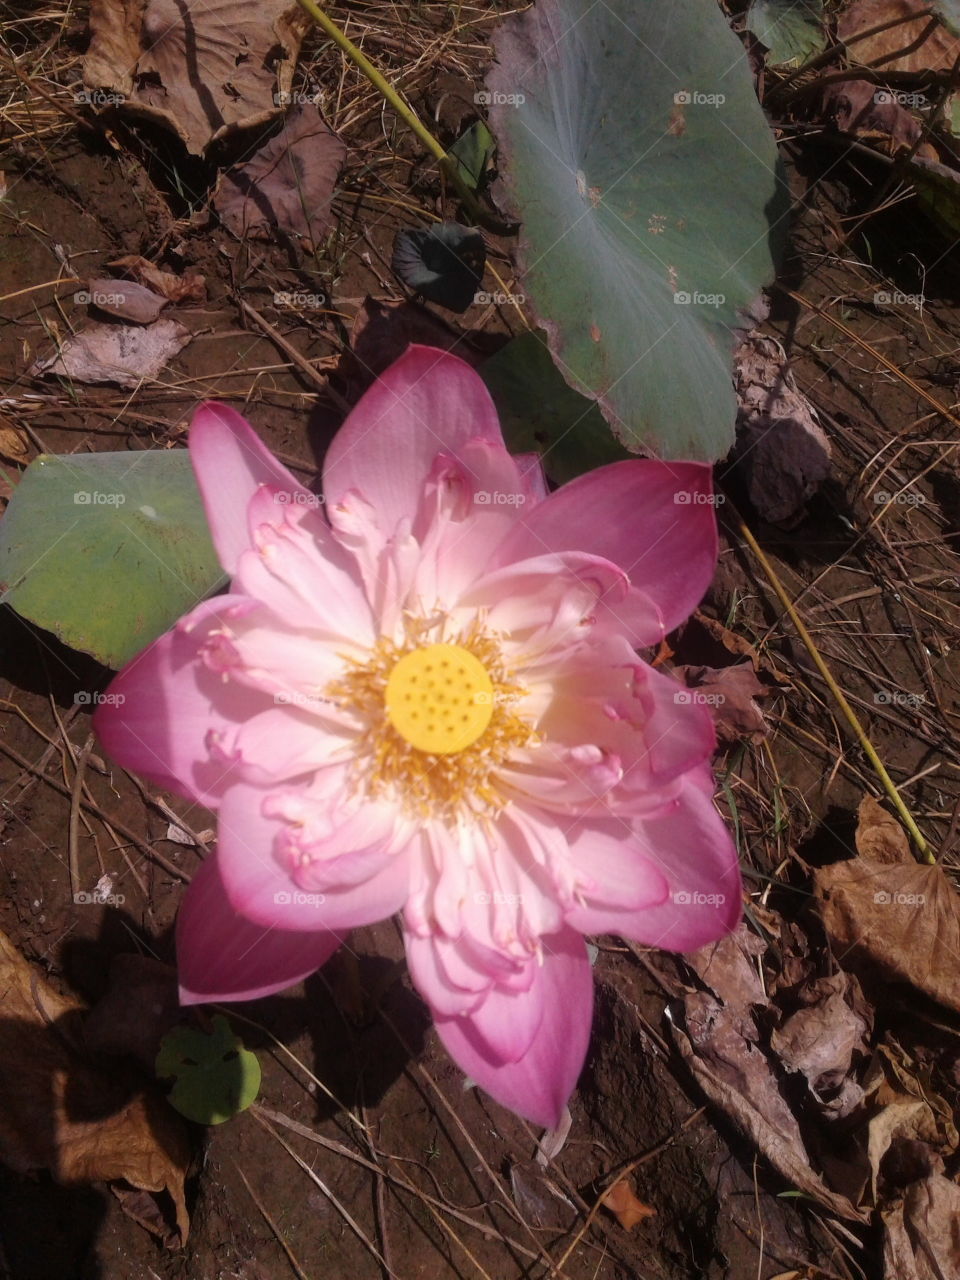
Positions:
(792, 31)
(638, 158)
(107, 550)
(540, 413)
(949, 11)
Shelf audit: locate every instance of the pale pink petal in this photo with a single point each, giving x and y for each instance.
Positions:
(276, 745)
(230, 461)
(432, 977)
(692, 849)
(539, 1085)
(165, 702)
(427, 402)
(507, 1020)
(223, 956)
(653, 519)
(264, 892)
(299, 569)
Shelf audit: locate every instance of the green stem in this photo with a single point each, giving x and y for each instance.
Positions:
(447, 164)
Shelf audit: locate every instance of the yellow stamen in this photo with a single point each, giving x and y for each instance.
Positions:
(440, 699)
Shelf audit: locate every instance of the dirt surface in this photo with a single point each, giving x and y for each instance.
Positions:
(367, 1156)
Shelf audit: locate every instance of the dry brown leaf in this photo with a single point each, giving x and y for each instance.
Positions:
(937, 53)
(879, 835)
(125, 300)
(820, 1039)
(921, 1235)
(873, 115)
(728, 693)
(892, 921)
(288, 184)
(190, 287)
(203, 70)
(780, 444)
(14, 444)
(123, 354)
(58, 1111)
(625, 1206)
(738, 645)
(736, 1076)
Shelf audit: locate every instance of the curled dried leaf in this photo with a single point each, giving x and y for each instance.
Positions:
(625, 1206)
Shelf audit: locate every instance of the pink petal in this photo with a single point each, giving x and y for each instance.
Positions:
(222, 956)
(164, 703)
(427, 402)
(692, 849)
(230, 461)
(650, 518)
(540, 1083)
(264, 892)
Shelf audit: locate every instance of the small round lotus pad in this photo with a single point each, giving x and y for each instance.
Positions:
(439, 698)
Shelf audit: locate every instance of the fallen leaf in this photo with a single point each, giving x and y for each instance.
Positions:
(59, 1111)
(116, 353)
(781, 447)
(820, 1039)
(288, 184)
(14, 444)
(937, 53)
(625, 1206)
(738, 645)
(877, 116)
(892, 921)
(190, 287)
(728, 694)
(879, 835)
(125, 300)
(202, 70)
(921, 1235)
(442, 263)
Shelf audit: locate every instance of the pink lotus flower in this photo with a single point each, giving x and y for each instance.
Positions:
(422, 694)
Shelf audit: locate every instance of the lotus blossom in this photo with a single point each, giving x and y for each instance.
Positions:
(422, 694)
